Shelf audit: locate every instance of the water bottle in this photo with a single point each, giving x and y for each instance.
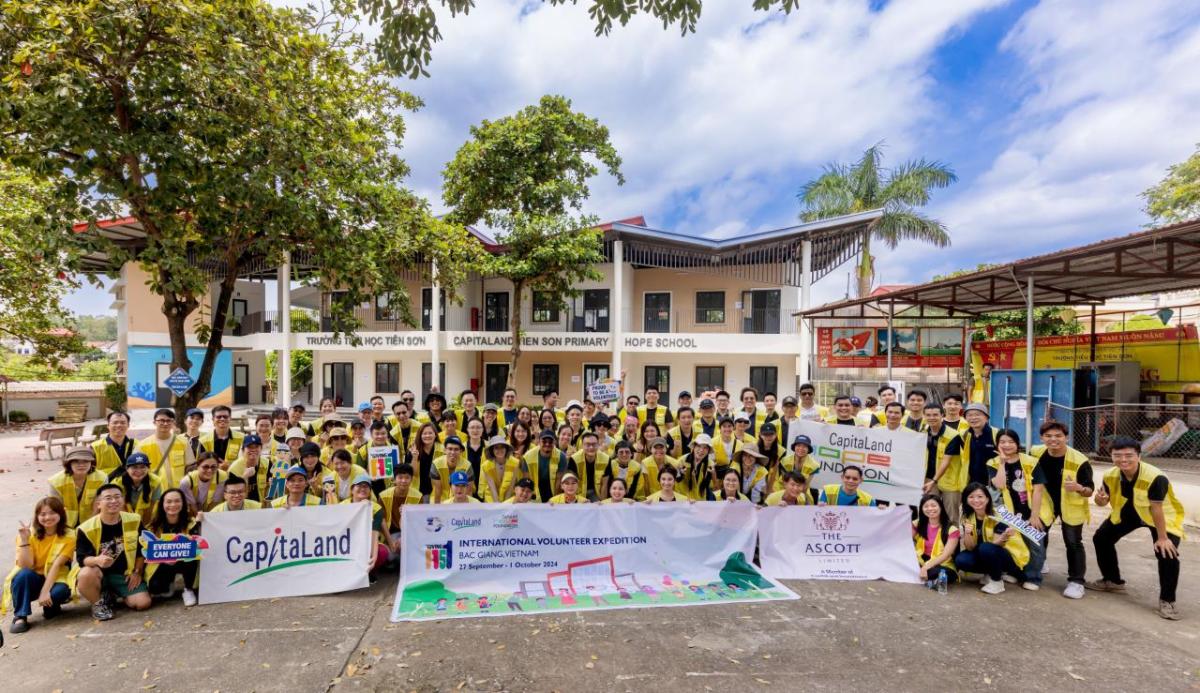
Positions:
(942, 583)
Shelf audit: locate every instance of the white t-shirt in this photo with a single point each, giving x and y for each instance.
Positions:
(811, 414)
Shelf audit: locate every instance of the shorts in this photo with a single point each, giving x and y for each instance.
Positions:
(116, 584)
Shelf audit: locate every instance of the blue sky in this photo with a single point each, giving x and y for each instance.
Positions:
(1055, 115)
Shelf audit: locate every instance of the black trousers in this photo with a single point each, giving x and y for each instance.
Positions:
(1076, 555)
(164, 576)
(1105, 541)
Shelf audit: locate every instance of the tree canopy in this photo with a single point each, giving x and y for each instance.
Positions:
(234, 132)
(1176, 197)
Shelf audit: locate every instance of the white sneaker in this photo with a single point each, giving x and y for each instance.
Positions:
(992, 587)
(1074, 590)
(1031, 586)
(189, 597)
(1009, 579)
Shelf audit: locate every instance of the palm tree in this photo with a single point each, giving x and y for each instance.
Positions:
(865, 185)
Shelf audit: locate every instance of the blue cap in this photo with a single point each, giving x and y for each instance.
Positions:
(454, 439)
(294, 470)
(137, 458)
(459, 479)
(194, 412)
(856, 402)
(251, 439)
(364, 406)
(802, 439)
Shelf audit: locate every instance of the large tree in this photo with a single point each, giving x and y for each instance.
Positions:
(409, 28)
(524, 174)
(1177, 196)
(233, 132)
(865, 185)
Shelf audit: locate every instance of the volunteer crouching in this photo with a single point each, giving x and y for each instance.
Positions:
(108, 556)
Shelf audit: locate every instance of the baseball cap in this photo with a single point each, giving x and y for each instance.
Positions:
(574, 404)
(455, 440)
(569, 475)
(790, 400)
(768, 427)
(361, 480)
(251, 439)
(546, 433)
(976, 406)
(742, 416)
(137, 458)
(491, 406)
(685, 393)
(600, 420)
(702, 439)
(310, 450)
(707, 404)
(459, 479)
(194, 411)
(295, 432)
(802, 439)
(364, 406)
(658, 441)
(81, 452)
(294, 470)
(855, 402)
(525, 483)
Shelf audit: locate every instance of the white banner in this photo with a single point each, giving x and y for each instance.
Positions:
(494, 559)
(893, 462)
(837, 543)
(290, 552)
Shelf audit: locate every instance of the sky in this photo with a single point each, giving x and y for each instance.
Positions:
(1054, 115)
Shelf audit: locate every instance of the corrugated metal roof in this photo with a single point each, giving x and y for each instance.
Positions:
(37, 386)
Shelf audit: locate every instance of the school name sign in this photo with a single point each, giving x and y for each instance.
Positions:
(285, 552)
(892, 462)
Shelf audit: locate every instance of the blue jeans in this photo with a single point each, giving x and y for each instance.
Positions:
(27, 585)
(1037, 559)
(989, 559)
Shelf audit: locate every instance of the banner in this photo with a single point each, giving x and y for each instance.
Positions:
(893, 462)
(285, 552)
(808, 542)
(383, 459)
(1018, 523)
(604, 391)
(461, 560)
(911, 347)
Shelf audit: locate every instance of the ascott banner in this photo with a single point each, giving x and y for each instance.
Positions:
(809, 542)
(462, 560)
(892, 462)
(285, 552)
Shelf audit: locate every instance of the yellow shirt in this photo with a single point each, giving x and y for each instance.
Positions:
(42, 549)
(246, 505)
(561, 499)
(776, 498)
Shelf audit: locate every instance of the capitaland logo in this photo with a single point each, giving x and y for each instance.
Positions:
(458, 523)
(506, 521)
(433, 524)
(439, 556)
(831, 521)
(285, 551)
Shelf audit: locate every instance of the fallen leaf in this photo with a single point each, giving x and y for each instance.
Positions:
(460, 685)
(589, 665)
(501, 647)
(536, 631)
(987, 680)
(375, 652)
(416, 654)
(595, 658)
(123, 665)
(351, 669)
(145, 674)
(763, 681)
(1075, 676)
(266, 665)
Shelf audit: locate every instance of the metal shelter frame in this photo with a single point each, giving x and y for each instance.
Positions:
(1154, 261)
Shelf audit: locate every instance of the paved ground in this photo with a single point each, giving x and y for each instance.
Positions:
(838, 635)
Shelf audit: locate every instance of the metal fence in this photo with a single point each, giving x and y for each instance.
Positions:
(1169, 433)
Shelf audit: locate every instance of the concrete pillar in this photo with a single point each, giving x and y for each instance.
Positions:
(284, 364)
(616, 319)
(805, 332)
(435, 324)
(1028, 366)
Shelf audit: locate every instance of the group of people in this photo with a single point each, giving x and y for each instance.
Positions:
(84, 536)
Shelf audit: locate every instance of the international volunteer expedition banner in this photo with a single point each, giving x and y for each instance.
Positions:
(285, 552)
(837, 543)
(893, 462)
(461, 560)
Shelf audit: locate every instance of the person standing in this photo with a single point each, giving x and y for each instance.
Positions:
(165, 449)
(943, 473)
(1140, 496)
(976, 445)
(112, 450)
(809, 409)
(223, 442)
(1069, 485)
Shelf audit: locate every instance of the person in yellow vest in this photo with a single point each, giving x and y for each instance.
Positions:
(112, 450)
(570, 491)
(770, 403)
(668, 476)
(257, 470)
(754, 416)
(953, 405)
(575, 421)
(794, 492)
(657, 460)
(935, 538)
(616, 493)
(808, 409)
(41, 571)
(393, 499)
(753, 473)
(460, 488)
(741, 428)
(699, 469)
(491, 420)
(338, 438)
(914, 416)
(601, 426)
(988, 546)
(799, 460)
(545, 465)
(402, 426)
(235, 497)
(887, 395)
(141, 487)
(328, 410)
(166, 449)
(362, 492)
(338, 483)
(623, 466)
(1022, 489)
(296, 490)
(224, 442)
(731, 483)
(976, 445)
(108, 557)
(1069, 485)
(522, 492)
(847, 492)
(680, 437)
(362, 459)
(843, 412)
(653, 411)
(944, 474)
(451, 461)
(1140, 496)
(173, 517)
(77, 484)
(204, 487)
(590, 463)
(726, 446)
(192, 421)
(498, 470)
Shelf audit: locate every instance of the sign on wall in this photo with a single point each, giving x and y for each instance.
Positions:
(912, 347)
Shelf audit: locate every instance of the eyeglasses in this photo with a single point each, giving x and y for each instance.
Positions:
(221, 417)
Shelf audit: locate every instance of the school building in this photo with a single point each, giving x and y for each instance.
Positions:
(681, 312)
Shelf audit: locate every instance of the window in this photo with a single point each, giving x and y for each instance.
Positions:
(710, 307)
(387, 377)
(495, 313)
(710, 378)
(660, 377)
(427, 308)
(427, 379)
(545, 378)
(764, 379)
(656, 311)
(545, 307)
(384, 309)
(594, 317)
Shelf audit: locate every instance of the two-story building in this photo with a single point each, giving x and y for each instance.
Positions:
(680, 312)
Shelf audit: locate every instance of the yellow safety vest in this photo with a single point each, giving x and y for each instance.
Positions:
(635, 478)
(387, 500)
(1172, 508)
(444, 471)
(721, 455)
(955, 477)
(247, 504)
(934, 551)
(107, 458)
(131, 525)
(79, 506)
(152, 568)
(808, 468)
(598, 468)
(501, 478)
(171, 473)
(832, 491)
(660, 416)
(1015, 545)
(1028, 465)
(965, 454)
(232, 450)
(306, 499)
(218, 479)
(63, 577)
(143, 506)
(559, 465)
(776, 498)
(1075, 510)
(262, 473)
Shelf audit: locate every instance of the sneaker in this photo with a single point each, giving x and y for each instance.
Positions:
(189, 597)
(1031, 586)
(101, 611)
(20, 625)
(993, 587)
(1074, 590)
(1165, 609)
(1009, 579)
(1105, 586)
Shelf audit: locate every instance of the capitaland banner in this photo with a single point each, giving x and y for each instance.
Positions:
(285, 552)
(892, 462)
(461, 560)
(810, 542)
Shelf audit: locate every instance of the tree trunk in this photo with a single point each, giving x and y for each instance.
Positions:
(177, 309)
(220, 311)
(514, 322)
(866, 267)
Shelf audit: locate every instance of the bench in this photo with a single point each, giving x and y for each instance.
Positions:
(98, 432)
(61, 436)
(71, 411)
